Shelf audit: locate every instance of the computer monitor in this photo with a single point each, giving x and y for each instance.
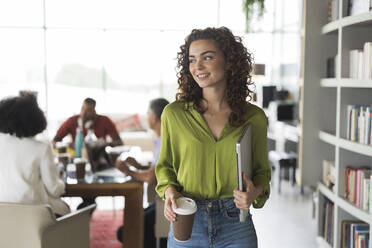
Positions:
(268, 95)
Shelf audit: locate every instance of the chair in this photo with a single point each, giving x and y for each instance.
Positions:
(283, 161)
(25, 225)
(161, 223)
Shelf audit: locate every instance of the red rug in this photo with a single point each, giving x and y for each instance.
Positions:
(103, 226)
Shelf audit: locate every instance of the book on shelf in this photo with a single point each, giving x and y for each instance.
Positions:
(329, 174)
(354, 234)
(356, 7)
(358, 187)
(359, 123)
(333, 6)
(360, 62)
(331, 67)
(327, 222)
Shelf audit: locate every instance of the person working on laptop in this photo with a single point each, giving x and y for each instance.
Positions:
(102, 127)
(198, 139)
(146, 173)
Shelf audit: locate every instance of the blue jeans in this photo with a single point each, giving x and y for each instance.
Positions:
(217, 225)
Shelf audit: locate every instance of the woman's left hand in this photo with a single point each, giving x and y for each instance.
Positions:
(243, 200)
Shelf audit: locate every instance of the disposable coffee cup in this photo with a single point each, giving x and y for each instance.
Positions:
(61, 147)
(64, 158)
(182, 227)
(80, 167)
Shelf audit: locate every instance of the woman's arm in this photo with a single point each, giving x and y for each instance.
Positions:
(164, 170)
(261, 168)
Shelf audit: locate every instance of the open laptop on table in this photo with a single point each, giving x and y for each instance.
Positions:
(102, 160)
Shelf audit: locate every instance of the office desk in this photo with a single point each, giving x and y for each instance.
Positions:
(133, 193)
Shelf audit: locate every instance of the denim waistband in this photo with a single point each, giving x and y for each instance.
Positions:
(215, 203)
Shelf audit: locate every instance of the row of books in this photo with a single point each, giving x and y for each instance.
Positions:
(354, 234)
(356, 7)
(327, 223)
(360, 62)
(358, 188)
(359, 124)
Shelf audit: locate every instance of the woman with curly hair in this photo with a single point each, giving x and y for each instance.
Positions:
(198, 136)
(27, 172)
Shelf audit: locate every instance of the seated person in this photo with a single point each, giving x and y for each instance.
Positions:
(146, 173)
(89, 119)
(102, 127)
(27, 172)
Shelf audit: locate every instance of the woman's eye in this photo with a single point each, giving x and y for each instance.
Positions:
(208, 57)
(192, 60)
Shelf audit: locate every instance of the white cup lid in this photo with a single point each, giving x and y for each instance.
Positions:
(79, 160)
(60, 145)
(63, 155)
(185, 205)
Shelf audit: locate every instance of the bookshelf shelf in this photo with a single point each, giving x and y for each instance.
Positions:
(322, 243)
(355, 147)
(328, 82)
(327, 192)
(331, 27)
(345, 205)
(345, 144)
(324, 104)
(355, 211)
(328, 138)
(346, 83)
(361, 19)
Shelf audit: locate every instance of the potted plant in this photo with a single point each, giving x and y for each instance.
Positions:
(249, 8)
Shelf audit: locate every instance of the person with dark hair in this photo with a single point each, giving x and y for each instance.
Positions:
(101, 125)
(199, 134)
(147, 173)
(27, 172)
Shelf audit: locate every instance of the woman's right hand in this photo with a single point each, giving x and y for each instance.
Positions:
(171, 195)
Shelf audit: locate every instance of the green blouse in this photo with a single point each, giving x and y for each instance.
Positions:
(200, 166)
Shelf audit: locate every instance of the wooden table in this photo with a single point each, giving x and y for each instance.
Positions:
(133, 193)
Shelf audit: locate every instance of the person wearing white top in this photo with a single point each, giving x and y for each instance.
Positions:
(27, 172)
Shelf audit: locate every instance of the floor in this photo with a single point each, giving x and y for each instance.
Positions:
(285, 220)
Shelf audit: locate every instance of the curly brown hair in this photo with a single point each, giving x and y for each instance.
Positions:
(238, 75)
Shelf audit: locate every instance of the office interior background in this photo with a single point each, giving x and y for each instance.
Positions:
(123, 54)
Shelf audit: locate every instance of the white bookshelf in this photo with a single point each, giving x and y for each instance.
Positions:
(345, 205)
(346, 144)
(357, 20)
(346, 83)
(324, 102)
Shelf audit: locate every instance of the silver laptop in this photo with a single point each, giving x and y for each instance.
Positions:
(244, 162)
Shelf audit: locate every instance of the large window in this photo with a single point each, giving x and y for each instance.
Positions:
(122, 53)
